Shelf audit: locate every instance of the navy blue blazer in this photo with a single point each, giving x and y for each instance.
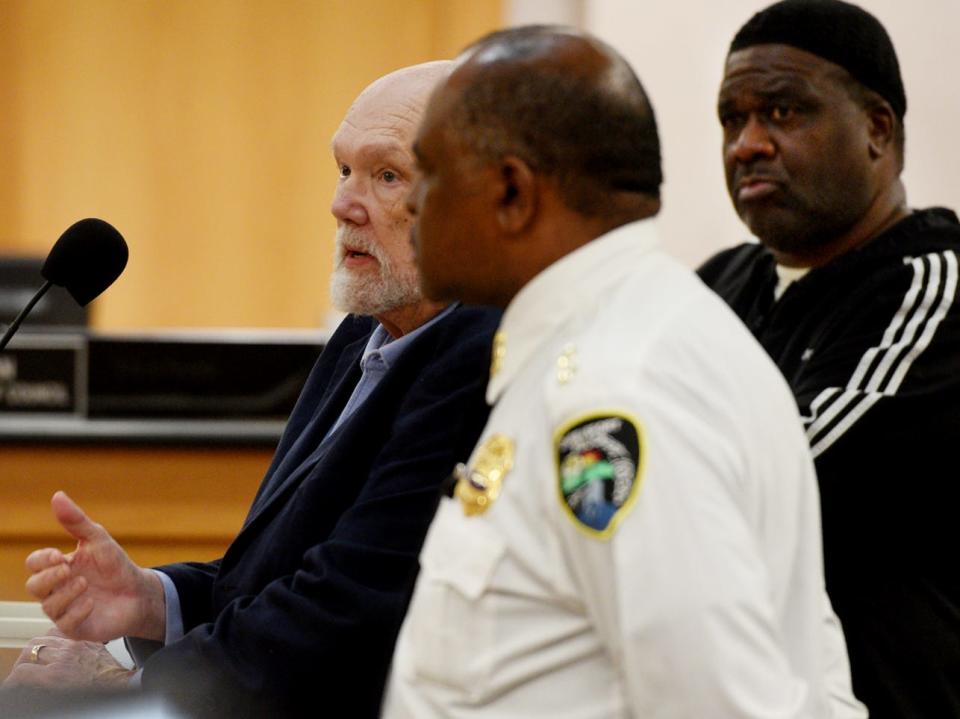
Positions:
(300, 615)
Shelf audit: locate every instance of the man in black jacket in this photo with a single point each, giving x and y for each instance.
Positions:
(855, 297)
(301, 613)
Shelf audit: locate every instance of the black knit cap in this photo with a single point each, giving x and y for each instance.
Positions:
(842, 33)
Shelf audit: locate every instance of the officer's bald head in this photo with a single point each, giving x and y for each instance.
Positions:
(566, 104)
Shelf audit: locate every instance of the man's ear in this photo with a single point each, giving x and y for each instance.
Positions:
(517, 197)
(882, 129)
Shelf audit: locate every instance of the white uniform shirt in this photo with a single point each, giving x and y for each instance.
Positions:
(654, 550)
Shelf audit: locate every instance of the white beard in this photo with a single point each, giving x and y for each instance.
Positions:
(367, 292)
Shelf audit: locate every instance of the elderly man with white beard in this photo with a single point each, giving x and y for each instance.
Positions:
(301, 613)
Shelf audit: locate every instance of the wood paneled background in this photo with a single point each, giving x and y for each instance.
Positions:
(163, 504)
(201, 129)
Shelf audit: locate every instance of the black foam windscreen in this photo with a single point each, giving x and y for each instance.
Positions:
(86, 259)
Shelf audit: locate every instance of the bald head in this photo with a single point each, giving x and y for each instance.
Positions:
(540, 141)
(568, 105)
(397, 100)
(549, 48)
(374, 271)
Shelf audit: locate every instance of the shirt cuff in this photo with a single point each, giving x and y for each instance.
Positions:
(141, 649)
(174, 613)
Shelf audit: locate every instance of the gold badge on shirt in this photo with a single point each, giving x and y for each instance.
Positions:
(478, 485)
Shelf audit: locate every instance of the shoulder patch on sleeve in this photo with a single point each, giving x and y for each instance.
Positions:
(599, 467)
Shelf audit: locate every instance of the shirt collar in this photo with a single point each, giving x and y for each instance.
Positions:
(786, 276)
(382, 344)
(565, 288)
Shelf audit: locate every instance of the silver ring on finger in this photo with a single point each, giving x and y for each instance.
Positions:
(35, 653)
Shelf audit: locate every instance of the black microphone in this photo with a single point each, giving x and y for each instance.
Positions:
(85, 261)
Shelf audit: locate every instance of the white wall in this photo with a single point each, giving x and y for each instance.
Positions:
(678, 49)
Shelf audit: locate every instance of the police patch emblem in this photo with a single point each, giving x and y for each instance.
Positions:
(599, 463)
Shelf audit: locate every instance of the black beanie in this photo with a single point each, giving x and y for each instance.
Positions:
(842, 33)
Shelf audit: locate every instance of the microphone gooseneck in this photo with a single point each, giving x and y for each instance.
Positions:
(15, 325)
(85, 261)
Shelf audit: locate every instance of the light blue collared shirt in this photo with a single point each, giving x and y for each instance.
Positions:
(381, 353)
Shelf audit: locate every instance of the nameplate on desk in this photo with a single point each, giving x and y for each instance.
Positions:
(44, 374)
(220, 375)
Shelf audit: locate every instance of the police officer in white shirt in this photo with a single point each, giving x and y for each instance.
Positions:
(637, 532)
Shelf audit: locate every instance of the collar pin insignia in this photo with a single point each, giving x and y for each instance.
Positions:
(567, 364)
(499, 352)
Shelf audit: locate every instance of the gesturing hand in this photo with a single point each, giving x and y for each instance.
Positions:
(96, 592)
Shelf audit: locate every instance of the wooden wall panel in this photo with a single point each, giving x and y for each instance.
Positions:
(201, 130)
(163, 504)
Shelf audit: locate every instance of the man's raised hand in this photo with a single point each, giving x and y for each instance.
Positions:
(95, 592)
